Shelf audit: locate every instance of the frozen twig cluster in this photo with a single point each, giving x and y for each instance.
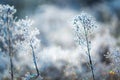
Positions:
(83, 26)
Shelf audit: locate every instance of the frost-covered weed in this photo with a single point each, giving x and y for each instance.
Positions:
(30, 42)
(7, 24)
(83, 26)
(17, 36)
(114, 55)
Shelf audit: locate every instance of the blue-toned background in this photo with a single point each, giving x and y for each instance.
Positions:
(60, 58)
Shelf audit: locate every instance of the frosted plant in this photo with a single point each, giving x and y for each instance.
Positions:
(17, 36)
(114, 55)
(30, 42)
(6, 36)
(83, 26)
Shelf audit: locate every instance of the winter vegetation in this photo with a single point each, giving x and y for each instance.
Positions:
(83, 27)
(17, 37)
(114, 55)
(62, 46)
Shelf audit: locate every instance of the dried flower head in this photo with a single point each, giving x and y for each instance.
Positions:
(7, 25)
(83, 24)
(7, 9)
(6, 12)
(28, 35)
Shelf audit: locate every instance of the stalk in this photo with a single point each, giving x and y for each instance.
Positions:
(34, 61)
(88, 50)
(10, 48)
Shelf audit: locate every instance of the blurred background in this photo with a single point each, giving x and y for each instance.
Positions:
(60, 58)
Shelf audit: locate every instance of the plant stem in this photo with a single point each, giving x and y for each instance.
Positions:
(11, 65)
(10, 48)
(34, 60)
(88, 50)
(10, 54)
